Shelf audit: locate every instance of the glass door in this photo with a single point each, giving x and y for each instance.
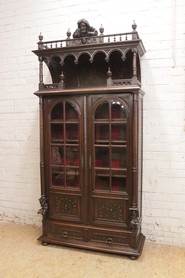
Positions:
(110, 146)
(66, 158)
(65, 147)
(109, 160)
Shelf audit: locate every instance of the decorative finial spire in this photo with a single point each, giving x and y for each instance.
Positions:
(40, 43)
(134, 26)
(62, 76)
(68, 34)
(109, 79)
(101, 29)
(109, 72)
(40, 37)
(61, 83)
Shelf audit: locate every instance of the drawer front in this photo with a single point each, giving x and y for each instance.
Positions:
(64, 232)
(110, 239)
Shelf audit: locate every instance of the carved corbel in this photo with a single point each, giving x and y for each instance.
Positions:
(123, 57)
(44, 206)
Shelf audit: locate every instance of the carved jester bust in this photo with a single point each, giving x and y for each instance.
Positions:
(84, 29)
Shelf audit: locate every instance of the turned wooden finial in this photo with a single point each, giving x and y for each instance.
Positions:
(40, 37)
(61, 83)
(109, 79)
(68, 34)
(40, 43)
(101, 30)
(134, 35)
(109, 72)
(134, 26)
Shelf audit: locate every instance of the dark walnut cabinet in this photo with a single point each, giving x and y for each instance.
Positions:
(91, 142)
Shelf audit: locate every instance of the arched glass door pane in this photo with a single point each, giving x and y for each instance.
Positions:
(71, 112)
(65, 145)
(110, 145)
(57, 112)
(102, 111)
(117, 110)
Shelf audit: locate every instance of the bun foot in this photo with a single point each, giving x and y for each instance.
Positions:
(44, 243)
(133, 257)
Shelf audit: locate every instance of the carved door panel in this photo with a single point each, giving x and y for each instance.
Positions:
(64, 158)
(109, 159)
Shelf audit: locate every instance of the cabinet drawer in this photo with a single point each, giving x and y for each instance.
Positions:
(64, 232)
(110, 238)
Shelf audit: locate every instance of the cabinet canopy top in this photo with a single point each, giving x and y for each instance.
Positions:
(86, 38)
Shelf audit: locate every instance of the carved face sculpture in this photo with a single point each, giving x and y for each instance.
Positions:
(83, 28)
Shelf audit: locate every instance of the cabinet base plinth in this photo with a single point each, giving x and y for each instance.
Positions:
(132, 253)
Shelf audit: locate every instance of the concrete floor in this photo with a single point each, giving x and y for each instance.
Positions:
(21, 255)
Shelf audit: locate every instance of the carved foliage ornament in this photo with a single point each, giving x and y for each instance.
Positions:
(44, 206)
(66, 205)
(134, 219)
(111, 210)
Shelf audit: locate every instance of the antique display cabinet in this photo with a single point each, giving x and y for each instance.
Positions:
(91, 141)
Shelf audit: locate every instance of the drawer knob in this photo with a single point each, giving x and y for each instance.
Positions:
(65, 234)
(109, 240)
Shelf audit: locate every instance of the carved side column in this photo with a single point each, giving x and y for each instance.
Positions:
(40, 46)
(40, 73)
(135, 151)
(43, 199)
(134, 66)
(133, 211)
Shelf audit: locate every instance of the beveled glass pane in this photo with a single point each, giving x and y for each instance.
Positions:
(118, 184)
(118, 132)
(118, 157)
(102, 111)
(57, 155)
(117, 110)
(102, 157)
(57, 112)
(58, 177)
(71, 112)
(102, 183)
(72, 178)
(101, 132)
(72, 156)
(72, 132)
(57, 132)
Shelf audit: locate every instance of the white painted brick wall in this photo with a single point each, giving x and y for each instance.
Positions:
(161, 25)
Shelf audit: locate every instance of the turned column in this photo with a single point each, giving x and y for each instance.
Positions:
(134, 218)
(40, 73)
(134, 66)
(135, 153)
(40, 46)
